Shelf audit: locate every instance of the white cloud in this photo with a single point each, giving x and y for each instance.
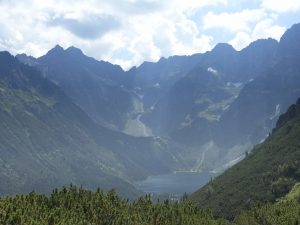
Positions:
(233, 22)
(154, 36)
(266, 28)
(262, 30)
(143, 29)
(281, 6)
(191, 5)
(241, 40)
(140, 29)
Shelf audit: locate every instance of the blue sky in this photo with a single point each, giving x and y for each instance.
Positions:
(128, 32)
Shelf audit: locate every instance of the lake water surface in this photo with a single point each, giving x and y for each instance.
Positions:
(174, 183)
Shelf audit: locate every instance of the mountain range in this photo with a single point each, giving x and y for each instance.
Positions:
(48, 141)
(68, 118)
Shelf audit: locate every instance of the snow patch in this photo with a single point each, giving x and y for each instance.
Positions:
(156, 85)
(237, 85)
(212, 70)
(227, 165)
(187, 121)
(276, 112)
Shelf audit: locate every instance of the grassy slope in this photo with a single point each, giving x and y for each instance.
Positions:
(269, 172)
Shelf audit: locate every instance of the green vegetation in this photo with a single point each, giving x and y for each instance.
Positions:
(78, 206)
(293, 194)
(268, 173)
(284, 213)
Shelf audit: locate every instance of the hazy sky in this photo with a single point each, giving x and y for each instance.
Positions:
(128, 32)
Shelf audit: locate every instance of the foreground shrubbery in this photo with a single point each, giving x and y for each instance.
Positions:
(284, 213)
(78, 206)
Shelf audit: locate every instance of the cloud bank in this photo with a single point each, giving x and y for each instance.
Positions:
(128, 32)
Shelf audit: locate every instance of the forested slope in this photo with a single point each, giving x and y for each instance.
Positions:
(266, 174)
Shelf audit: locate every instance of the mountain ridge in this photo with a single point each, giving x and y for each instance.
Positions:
(209, 107)
(48, 141)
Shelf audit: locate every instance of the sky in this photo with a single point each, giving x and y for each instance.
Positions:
(129, 32)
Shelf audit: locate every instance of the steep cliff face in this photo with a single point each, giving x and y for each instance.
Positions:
(255, 112)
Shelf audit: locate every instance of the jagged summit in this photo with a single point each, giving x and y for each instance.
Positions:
(5, 54)
(74, 51)
(289, 42)
(260, 43)
(70, 50)
(57, 50)
(223, 47)
(7, 60)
